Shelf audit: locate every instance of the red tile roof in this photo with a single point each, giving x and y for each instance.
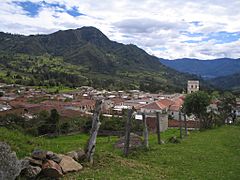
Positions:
(178, 102)
(166, 102)
(117, 100)
(173, 105)
(174, 108)
(156, 105)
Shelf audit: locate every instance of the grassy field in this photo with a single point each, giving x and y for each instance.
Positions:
(213, 154)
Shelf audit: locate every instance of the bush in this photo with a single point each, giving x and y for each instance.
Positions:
(87, 126)
(65, 127)
(12, 120)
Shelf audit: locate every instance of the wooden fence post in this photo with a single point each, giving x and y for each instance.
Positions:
(91, 145)
(145, 131)
(158, 127)
(185, 124)
(180, 123)
(127, 132)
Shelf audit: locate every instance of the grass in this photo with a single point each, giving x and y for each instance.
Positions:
(212, 154)
(53, 89)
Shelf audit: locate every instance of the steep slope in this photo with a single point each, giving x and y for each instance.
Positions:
(206, 68)
(90, 58)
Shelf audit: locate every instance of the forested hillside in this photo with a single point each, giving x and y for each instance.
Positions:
(83, 56)
(231, 82)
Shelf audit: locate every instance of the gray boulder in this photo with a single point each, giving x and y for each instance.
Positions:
(52, 156)
(39, 154)
(78, 155)
(10, 166)
(49, 154)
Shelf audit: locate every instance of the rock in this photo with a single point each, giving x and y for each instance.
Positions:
(135, 142)
(56, 158)
(52, 156)
(73, 154)
(51, 169)
(174, 139)
(10, 166)
(39, 154)
(49, 154)
(34, 162)
(68, 164)
(78, 155)
(31, 172)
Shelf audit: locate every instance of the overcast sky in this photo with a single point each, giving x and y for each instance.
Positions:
(204, 29)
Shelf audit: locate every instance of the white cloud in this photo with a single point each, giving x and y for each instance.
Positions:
(155, 26)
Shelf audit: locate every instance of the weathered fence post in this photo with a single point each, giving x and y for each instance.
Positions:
(145, 131)
(127, 132)
(158, 127)
(180, 123)
(185, 124)
(91, 145)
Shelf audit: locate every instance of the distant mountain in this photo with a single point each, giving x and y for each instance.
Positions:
(230, 82)
(205, 68)
(84, 56)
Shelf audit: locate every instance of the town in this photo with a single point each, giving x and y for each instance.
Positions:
(28, 102)
(128, 115)
(119, 90)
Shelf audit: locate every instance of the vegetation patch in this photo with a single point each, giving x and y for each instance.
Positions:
(211, 154)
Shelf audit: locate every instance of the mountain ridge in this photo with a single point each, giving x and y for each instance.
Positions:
(230, 82)
(85, 56)
(207, 69)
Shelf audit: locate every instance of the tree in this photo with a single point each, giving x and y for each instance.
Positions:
(43, 119)
(227, 106)
(8, 74)
(65, 127)
(54, 120)
(196, 104)
(215, 95)
(50, 123)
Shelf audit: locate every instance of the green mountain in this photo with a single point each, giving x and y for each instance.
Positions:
(83, 56)
(230, 82)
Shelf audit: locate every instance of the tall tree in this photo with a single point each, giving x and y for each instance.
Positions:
(54, 120)
(196, 104)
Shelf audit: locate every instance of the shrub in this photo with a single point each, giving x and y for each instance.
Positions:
(65, 128)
